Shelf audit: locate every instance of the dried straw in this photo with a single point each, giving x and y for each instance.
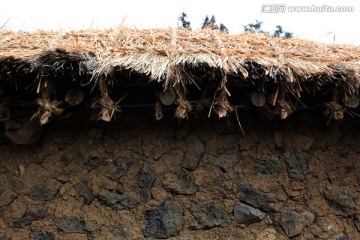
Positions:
(165, 54)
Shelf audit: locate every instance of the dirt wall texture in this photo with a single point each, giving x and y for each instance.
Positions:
(197, 179)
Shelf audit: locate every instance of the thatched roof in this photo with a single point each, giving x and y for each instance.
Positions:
(176, 58)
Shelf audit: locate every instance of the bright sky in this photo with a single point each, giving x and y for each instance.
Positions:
(338, 27)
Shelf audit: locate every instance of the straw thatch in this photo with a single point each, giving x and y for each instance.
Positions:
(44, 62)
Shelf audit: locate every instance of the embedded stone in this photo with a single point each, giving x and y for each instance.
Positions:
(245, 214)
(264, 201)
(294, 223)
(164, 221)
(195, 149)
(343, 205)
(207, 216)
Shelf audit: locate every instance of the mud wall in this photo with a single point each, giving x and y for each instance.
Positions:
(197, 179)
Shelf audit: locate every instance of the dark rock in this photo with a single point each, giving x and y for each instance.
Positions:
(147, 179)
(226, 158)
(340, 237)
(338, 170)
(7, 196)
(42, 193)
(194, 152)
(122, 167)
(119, 231)
(90, 226)
(298, 166)
(180, 182)
(115, 200)
(264, 201)
(92, 229)
(85, 192)
(93, 160)
(38, 235)
(164, 221)
(294, 223)
(245, 214)
(63, 178)
(270, 164)
(70, 225)
(209, 215)
(343, 204)
(32, 214)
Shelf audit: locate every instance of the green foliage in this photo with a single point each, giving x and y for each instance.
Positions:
(280, 33)
(183, 21)
(256, 28)
(211, 23)
(253, 27)
(208, 23)
(249, 28)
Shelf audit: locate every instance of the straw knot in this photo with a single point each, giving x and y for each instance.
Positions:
(109, 108)
(285, 108)
(222, 107)
(334, 110)
(184, 107)
(46, 109)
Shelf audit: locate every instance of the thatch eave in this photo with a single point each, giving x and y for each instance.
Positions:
(176, 58)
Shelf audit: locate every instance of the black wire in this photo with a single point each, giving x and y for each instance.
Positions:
(31, 106)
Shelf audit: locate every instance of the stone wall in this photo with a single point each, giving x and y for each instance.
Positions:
(198, 179)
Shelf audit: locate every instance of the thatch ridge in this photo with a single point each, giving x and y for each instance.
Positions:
(164, 55)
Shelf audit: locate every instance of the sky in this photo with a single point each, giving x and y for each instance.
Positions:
(320, 26)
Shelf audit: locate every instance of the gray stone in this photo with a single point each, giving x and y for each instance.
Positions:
(164, 221)
(63, 178)
(70, 225)
(180, 182)
(32, 214)
(245, 214)
(194, 151)
(226, 158)
(92, 229)
(42, 193)
(298, 166)
(122, 167)
(340, 237)
(39, 235)
(147, 179)
(264, 201)
(119, 231)
(343, 205)
(207, 216)
(268, 165)
(85, 192)
(7, 196)
(93, 160)
(294, 223)
(115, 200)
